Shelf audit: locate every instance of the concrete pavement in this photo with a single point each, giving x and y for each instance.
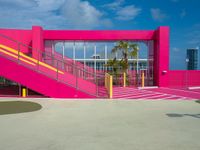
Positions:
(103, 125)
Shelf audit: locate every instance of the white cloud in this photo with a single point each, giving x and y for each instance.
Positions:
(51, 14)
(157, 15)
(175, 49)
(114, 5)
(49, 5)
(83, 14)
(128, 12)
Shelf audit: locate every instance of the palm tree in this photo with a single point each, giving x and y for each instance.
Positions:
(126, 49)
(114, 63)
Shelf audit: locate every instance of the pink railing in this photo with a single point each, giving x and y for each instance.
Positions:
(63, 71)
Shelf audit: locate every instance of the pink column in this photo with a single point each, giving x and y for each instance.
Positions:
(37, 42)
(161, 56)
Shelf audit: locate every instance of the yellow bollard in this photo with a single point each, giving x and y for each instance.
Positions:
(142, 79)
(111, 86)
(24, 92)
(124, 74)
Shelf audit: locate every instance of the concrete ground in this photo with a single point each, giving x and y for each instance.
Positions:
(102, 125)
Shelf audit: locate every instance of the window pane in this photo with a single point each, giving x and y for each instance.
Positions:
(59, 47)
(69, 49)
(79, 50)
(110, 46)
(89, 50)
(100, 50)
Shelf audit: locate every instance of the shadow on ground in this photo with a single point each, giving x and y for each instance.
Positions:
(183, 115)
(14, 107)
(198, 101)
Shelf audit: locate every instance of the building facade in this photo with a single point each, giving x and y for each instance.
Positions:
(192, 57)
(52, 61)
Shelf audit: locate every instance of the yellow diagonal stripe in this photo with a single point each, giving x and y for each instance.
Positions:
(29, 58)
(12, 55)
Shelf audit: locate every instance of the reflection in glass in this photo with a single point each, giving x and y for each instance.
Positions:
(79, 50)
(69, 49)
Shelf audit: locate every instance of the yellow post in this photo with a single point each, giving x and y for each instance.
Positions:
(111, 86)
(143, 79)
(24, 92)
(124, 74)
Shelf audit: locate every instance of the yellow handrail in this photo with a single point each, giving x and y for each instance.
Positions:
(12, 55)
(29, 58)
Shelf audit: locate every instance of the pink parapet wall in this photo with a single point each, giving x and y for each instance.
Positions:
(184, 78)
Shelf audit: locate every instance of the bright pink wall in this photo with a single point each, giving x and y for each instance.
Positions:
(98, 35)
(161, 56)
(37, 42)
(184, 78)
(37, 36)
(24, 36)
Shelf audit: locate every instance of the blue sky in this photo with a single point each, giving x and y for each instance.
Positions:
(182, 16)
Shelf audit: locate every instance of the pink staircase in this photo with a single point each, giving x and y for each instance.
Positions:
(58, 80)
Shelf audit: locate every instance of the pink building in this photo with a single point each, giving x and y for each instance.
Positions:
(29, 57)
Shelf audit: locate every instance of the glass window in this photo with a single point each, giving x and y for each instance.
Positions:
(100, 50)
(69, 49)
(79, 50)
(110, 46)
(59, 47)
(143, 50)
(89, 50)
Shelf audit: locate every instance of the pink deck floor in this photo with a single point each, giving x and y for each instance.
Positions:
(157, 94)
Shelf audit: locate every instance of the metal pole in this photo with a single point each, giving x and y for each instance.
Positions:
(106, 56)
(18, 45)
(52, 53)
(63, 54)
(137, 62)
(137, 69)
(97, 92)
(76, 78)
(38, 63)
(74, 51)
(187, 61)
(57, 71)
(84, 51)
(95, 63)
(74, 71)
